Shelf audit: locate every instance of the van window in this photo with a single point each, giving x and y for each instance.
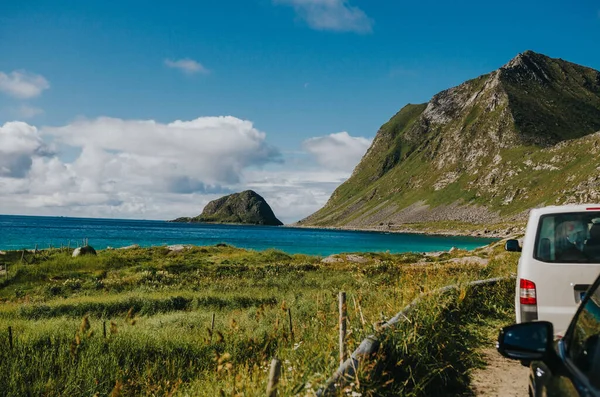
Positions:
(584, 338)
(568, 238)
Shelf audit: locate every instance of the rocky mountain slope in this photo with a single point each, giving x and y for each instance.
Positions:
(247, 207)
(483, 152)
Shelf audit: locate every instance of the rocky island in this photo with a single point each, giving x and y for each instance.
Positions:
(247, 207)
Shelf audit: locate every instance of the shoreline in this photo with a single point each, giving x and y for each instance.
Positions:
(511, 231)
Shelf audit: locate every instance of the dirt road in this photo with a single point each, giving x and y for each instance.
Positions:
(501, 377)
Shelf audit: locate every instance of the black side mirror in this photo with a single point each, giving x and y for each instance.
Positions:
(512, 246)
(526, 341)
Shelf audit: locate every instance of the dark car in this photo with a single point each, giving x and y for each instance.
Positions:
(567, 367)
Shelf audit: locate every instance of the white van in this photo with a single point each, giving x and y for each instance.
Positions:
(560, 258)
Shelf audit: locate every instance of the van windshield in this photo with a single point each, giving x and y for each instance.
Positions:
(569, 238)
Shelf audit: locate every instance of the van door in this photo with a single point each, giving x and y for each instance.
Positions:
(565, 263)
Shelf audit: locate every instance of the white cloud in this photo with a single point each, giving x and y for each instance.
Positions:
(186, 65)
(146, 169)
(213, 149)
(27, 112)
(128, 168)
(23, 85)
(19, 144)
(335, 15)
(338, 151)
(296, 192)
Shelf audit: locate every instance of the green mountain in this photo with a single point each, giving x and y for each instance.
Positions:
(481, 153)
(247, 207)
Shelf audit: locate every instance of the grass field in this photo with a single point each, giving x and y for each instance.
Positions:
(156, 307)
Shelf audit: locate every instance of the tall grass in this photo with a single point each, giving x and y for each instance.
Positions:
(157, 309)
(433, 352)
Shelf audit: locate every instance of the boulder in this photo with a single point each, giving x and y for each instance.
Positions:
(85, 250)
(356, 259)
(332, 259)
(178, 248)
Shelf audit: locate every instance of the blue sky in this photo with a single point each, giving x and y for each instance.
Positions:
(296, 69)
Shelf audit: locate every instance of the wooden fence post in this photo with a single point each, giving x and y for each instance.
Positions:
(274, 375)
(212, 326)
(342, 299)
(10, 337)
(291, 325)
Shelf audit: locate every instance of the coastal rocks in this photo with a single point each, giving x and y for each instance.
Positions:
(178, 248)
(247, 207)
(86, 250)
(345, 258)
(2, 253)
(332, 259)
(129, 247)
(469, 260)
(356, 259)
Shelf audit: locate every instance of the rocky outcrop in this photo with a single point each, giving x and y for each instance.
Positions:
(247, 207)
(482, 152)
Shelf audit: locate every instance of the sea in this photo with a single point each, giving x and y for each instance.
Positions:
(27, 232)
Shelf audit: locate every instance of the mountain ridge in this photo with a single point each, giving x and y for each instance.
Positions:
(460, 156)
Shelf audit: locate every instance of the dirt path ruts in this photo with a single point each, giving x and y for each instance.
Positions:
(501, 377)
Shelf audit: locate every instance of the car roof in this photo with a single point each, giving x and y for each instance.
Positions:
(553, 209)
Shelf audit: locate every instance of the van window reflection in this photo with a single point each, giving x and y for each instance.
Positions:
(569, 238)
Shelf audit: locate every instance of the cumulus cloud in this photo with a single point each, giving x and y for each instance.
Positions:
(215, 149)
(338, 151)
(19, 144)
(23, 85)
(334, 15)
(147, 169)
(128, 168)
(186, 65)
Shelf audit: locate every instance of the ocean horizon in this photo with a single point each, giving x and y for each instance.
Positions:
(26, 232)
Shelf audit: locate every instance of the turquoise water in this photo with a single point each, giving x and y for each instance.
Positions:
(18, 232)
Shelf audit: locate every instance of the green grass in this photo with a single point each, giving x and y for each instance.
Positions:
(157, 307)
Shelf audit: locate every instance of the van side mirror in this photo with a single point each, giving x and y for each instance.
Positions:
(526, 341)
(512, 246)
